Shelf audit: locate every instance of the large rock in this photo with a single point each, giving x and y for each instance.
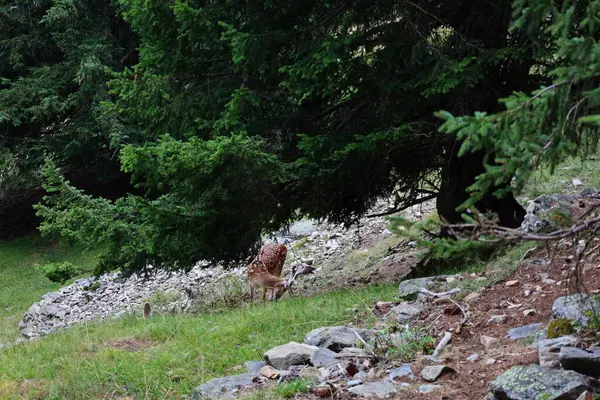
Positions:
(292, 353)
(223, 388)
(575, 307)
(381, 389)
(337, 337)
(413, 286)
(535, 382)
(583, 361)
(548, 349)
(542, 212)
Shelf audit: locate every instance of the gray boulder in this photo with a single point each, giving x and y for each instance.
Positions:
(406, 312)
(535, 382)
(413, 286)
(337, 337)
(292, 353)
(322, 357)
(223, 388)
(381, 389)
(526, 331)
(575, 307)
(548, 349)
(583, 361)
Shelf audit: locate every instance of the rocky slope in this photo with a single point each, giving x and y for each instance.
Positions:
(321, 244)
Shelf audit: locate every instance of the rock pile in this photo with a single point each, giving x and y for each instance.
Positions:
(112, 296)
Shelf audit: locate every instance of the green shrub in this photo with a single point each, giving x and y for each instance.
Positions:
(59, 272)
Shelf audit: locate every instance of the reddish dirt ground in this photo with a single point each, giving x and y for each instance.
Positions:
(546, 280)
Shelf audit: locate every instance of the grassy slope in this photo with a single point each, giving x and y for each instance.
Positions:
(170, 355)
(543, 182)
(21, 284)
(166, 357)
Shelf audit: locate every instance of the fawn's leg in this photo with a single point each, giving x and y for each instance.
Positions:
(264, 295)
(251, 295)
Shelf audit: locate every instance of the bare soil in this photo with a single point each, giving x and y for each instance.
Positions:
(544, 277)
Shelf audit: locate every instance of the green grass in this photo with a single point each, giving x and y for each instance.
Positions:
(175, 353)
(22, 284)
(543, 182)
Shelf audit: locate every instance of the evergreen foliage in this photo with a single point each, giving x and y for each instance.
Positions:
(240, 117)
(53, 60)
(551, 123)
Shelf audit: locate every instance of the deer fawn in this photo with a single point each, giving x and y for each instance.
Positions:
(259, 276)
(273, 257)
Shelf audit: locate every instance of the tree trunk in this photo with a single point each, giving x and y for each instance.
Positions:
(458, 173)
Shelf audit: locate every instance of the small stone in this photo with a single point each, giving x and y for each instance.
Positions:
(527, 292)
(488, 342)
(337, 337)
(222, 388)
(428, 388)
(433, 372)
(354, 382)
(490, 361)
(284, 356)
(473, 357)
(511, 283)
(254, 367)
(381, 389)
(529, 312)
(577, 182)
(406, 312)
(496, 319)
(404, 371)
(269, 372)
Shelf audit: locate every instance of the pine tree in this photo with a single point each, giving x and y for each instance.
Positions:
(53, 56)
(240, 117)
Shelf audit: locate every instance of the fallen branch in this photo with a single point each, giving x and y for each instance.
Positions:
(443, 343)
(443, 295)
